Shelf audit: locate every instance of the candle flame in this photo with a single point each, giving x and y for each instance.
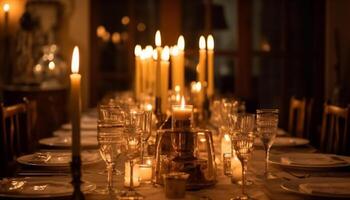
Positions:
(6, 7)
(143, 54)
(177, 88)
(202, 42)
(75, 60)
(149, 51)
(158, 39)
(148, 107)
(174, 50)
(210, 42)
(155, 54)
(181, 42)
(165, 53)
(227, 137)
(183, 103)
(137, 50)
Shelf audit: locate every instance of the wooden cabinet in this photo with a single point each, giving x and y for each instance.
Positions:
(52, 105)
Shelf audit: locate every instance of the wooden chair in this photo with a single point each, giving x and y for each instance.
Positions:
(17, 122)
(334, 132)
(299, 117)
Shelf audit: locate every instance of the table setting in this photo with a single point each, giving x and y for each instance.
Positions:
(182, 143)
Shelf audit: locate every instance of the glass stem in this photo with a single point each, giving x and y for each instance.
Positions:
(110, 176)
(267, 156)
(131, 174)
(244, 168)
(142, 150)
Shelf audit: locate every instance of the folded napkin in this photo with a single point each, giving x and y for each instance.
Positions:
(339, 188)
(312, 159)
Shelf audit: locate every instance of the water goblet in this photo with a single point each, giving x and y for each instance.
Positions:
(110, 140)
(267, 121)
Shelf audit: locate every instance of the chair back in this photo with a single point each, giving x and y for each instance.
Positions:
(299, 117)
(334, 132)
(17, 122)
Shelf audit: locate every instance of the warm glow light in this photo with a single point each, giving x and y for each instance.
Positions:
(137, 50)
(183, 103)
(155, 54)
(148, 107)
(227, 137)
(202, 42)
(210, 42)
(143, 54)
(196, 86)
(165, 53)
(75, 60)
(174, 51)
(149, 51)
(116, 37)
(158, 39)
(125, 20)
(181, 42)
(100, 31)
(177, 88)
(6, 7)
(52, 65)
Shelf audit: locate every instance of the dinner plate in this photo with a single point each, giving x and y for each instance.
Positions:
(40, 187)
(329, 187)
(285, 142)
(309, 161)
(65, 142)
(57, 159)
(68, 133)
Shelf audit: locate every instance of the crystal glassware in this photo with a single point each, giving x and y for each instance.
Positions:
(243, 143)
(110, 140)
(267, 121)
(133, 128)
(146, 131)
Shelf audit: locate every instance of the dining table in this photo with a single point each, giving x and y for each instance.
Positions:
(260, 189)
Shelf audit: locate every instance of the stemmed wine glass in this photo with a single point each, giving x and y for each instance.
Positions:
(267, 121)
(146, 132)
(110, 140)
(243, 144)
(133, 128)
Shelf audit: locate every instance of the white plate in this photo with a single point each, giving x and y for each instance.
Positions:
(309, 161)
(293, 186)
(64, 142)
(285, 142)
(83, 126)
(40, 187)
(68, 133)
(57, 159)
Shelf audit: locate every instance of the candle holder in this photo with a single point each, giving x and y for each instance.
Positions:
(182, 117)
(76, 178)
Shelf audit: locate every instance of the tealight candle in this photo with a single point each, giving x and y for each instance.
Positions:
(136, 175)
(146, 173)
(182, 111)
(236, 167)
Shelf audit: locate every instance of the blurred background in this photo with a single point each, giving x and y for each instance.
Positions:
(265, 50)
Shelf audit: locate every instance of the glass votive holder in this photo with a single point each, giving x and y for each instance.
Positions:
(175, 184)
(146, 169)
(182, 116)
(136, 175)
(227, 164)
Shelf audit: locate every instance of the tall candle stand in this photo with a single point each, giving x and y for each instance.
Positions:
(76, 178)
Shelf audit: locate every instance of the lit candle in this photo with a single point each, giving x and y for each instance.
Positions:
(75, 78)
(202, 59)
(236, 167)
(146, 173)
(158, 42)
(165, 78)
(211, 85)
(181, 61)
(182, 111)
(137, 52)
(6, 9)
(175, 66)
(135, 177)
(150, 74)
(143, 71)
(196, 92)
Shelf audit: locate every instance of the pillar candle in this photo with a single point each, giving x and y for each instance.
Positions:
(6, 9)
(175, 73)
(158, 42)
(181, 62)
(226, 145)
(202, 59)
(137, 52)
(75, 104)
(149, 64)
(143, 71)
(165, 78)
(211, 85)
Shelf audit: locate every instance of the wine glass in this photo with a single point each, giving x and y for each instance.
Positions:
(243, 144)
(110, 140)
(267, 121)
(146, 131)
(133, 128)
